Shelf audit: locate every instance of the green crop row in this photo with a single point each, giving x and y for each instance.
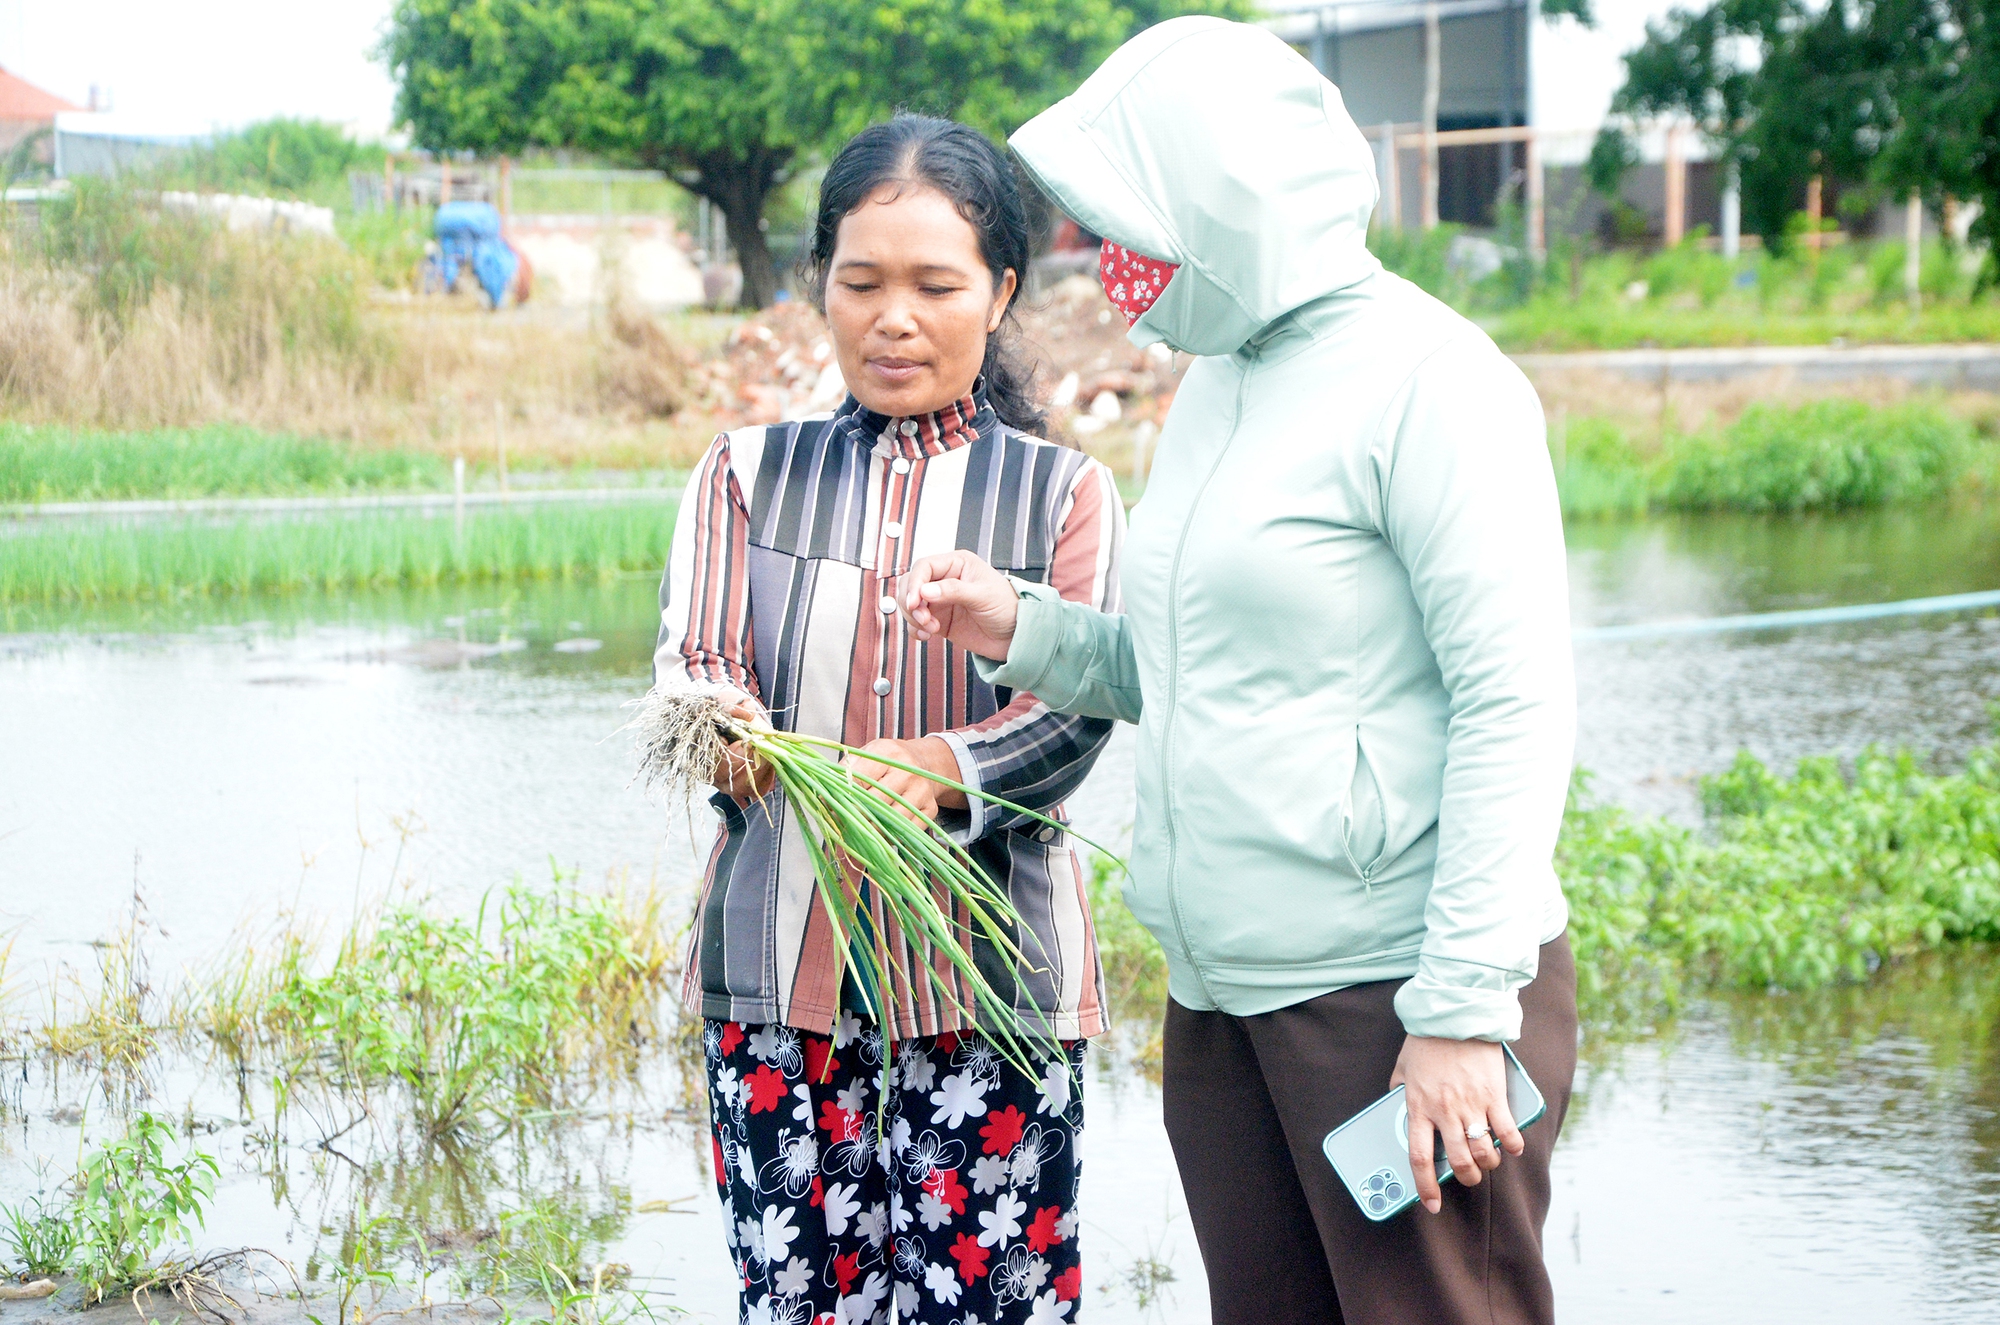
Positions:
(77, 562)
(45, 464)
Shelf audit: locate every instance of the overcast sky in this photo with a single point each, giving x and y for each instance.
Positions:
(208, 63)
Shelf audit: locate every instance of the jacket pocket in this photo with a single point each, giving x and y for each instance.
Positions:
(1365, 825)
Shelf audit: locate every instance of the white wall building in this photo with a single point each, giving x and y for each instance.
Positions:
(1500, 66)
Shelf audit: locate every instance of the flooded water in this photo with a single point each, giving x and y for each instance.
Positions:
(1834, 1157)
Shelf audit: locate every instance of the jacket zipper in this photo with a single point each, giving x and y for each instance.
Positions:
(1174, 688)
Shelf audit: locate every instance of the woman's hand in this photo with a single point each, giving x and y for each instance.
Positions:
(959, 596)
(921, 792)
(1456, 1089)
(741, 773)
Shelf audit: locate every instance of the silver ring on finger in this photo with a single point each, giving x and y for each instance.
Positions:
(1478, 1132)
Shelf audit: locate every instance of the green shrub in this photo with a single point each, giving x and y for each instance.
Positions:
(1800, 881)
(1598, 473)
(257, 295)
(1825, 454)
(131, 1203)
(1423, 258)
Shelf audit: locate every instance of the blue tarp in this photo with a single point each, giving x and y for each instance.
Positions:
(469, 233)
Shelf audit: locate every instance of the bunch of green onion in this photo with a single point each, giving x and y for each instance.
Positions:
(855, 827)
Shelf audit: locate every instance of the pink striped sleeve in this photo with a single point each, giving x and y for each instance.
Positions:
(705, 597)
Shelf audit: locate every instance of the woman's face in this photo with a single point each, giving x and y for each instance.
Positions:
(910, 301)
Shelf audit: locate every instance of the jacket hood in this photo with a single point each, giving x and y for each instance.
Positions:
(1216, 146)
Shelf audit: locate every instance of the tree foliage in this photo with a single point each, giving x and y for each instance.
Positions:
(1892, 95)
(731, 97)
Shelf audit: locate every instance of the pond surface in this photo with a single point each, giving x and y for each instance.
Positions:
(1833, 1158)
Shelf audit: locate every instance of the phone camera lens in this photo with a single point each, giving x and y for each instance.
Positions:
(1377, 1204)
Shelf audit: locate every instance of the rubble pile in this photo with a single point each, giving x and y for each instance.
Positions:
(1097, 377)
(779, 364)
(776, 365)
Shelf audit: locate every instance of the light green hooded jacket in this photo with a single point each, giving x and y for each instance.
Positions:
(1346, 638)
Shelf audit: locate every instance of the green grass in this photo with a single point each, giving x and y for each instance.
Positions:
(1823, 455)
(62, 561)
(1689, 295)
(1555, 325)
(52, 464)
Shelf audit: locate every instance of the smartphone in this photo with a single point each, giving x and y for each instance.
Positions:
(1371, 1150)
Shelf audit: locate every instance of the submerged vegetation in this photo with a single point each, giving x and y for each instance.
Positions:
(1822, 455)
(448, 1038)
(77, 562)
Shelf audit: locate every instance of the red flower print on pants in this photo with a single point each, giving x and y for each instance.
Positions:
(732, 1035)
(1042, 1233)
(820, 1062)
(1133, 281)
(1069, 1284)
(839, 1124)
(766, 1086)
(971, 1258)
(1003, 1131)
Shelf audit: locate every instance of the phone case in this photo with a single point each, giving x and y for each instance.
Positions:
(1371, 1150)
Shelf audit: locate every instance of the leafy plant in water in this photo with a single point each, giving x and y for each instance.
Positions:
(131, 1202)
(43, 1239)
(468, 1020)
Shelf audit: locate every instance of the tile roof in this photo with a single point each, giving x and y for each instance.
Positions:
(22, 100)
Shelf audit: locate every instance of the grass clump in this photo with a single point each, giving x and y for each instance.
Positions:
(465, 1017)
(75, 562)
(47, 464)
(1820, 455)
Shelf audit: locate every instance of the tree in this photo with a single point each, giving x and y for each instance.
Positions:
(1899, 95)
(731, 97)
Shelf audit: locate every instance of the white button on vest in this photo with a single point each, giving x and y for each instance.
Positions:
(888, 605)
(881, 686)
(900, 465)
(909, 427)
(892, 530)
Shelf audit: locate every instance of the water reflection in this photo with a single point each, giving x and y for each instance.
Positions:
(1834, 1156)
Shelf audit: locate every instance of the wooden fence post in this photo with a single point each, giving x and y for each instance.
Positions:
(1674, 225)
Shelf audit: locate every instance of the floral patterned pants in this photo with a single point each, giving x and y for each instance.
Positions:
(962, 1213)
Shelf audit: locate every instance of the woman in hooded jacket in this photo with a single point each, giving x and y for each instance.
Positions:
(1346, 646)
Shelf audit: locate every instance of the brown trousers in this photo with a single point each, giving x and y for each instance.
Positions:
(1248, 1101)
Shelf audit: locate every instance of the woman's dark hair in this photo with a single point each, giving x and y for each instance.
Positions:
(965, 166)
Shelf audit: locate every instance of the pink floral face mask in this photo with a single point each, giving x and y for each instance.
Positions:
(1133, 281)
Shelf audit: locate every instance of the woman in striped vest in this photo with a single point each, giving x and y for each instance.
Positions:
(783, 586)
